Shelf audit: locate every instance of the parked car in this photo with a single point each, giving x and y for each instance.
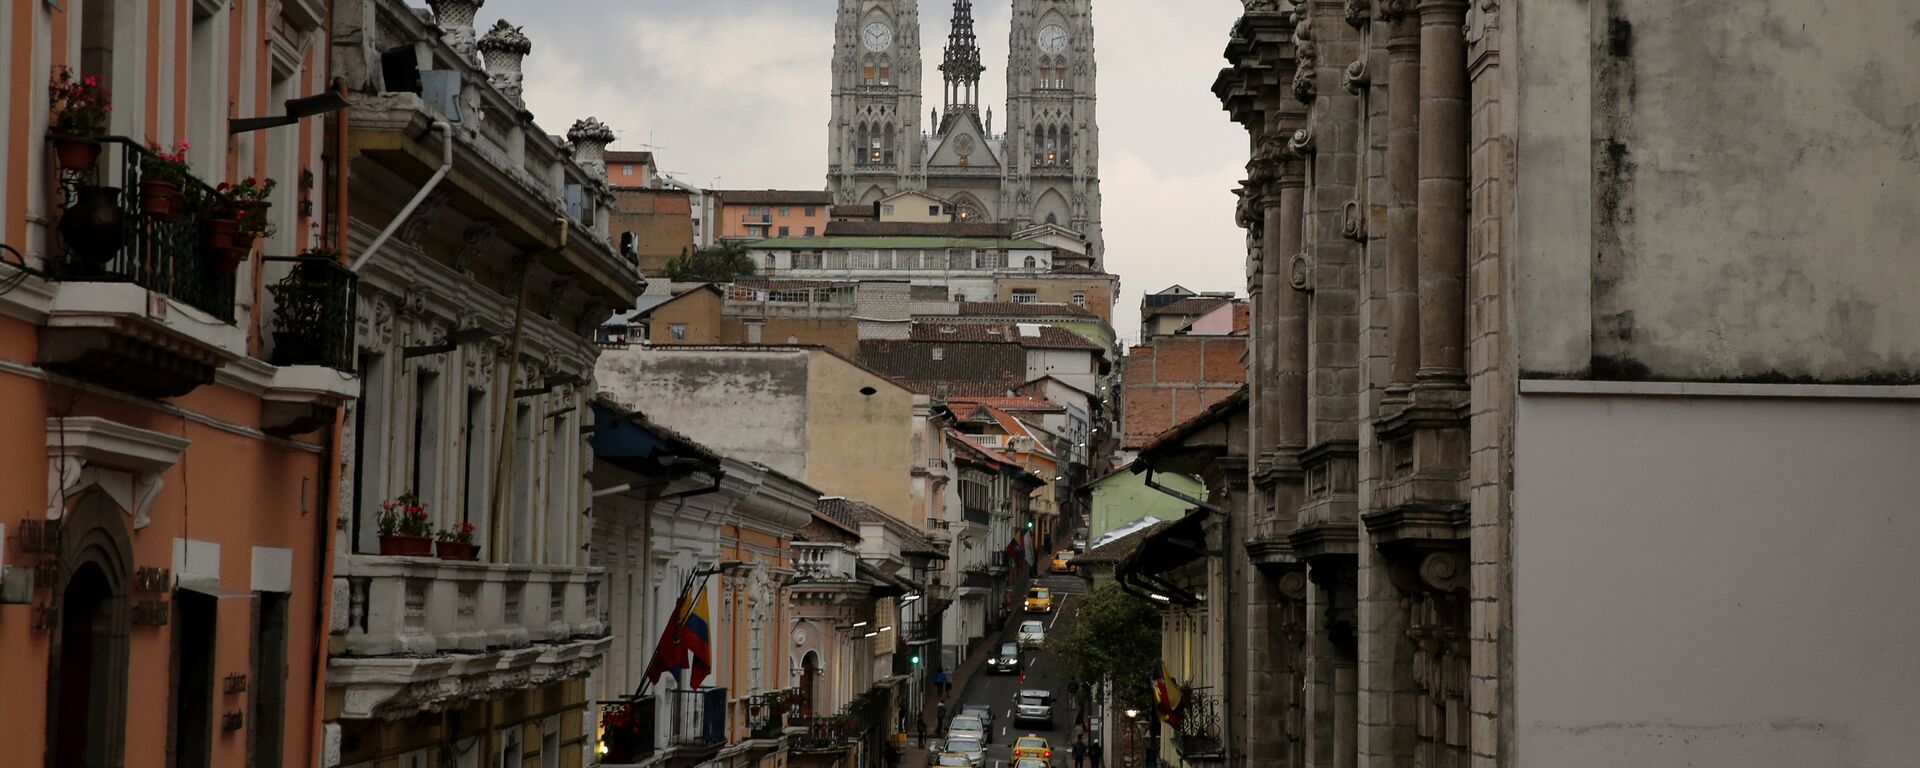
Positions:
(985, 713)
(1039, 600)
(1032, 746)
(1063, 561)
(1033, 707)
(1031, 762)
(967, 727)
(1032, 634)
(975, 751)
(1006, 662)
(951, 760)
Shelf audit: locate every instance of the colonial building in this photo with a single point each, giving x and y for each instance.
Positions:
(169, 444)
(1546, 295)
(1042, 169)
(482, 246)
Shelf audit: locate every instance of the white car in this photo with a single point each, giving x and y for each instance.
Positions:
(1032, 633)
(1033, 707)
(971, 747)
(967, 727)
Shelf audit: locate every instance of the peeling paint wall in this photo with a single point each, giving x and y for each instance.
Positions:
(747, 404)
(860, 437)
(1715, 581)
(1723, 190)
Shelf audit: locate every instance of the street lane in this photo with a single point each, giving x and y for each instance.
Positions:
(1042, 670)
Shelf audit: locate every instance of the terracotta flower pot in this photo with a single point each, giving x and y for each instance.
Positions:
(160, 200)
(406, 546)
(222, 229)
(75, 153)
(453, 550)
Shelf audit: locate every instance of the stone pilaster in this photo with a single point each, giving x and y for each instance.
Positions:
(1443, 193)
(1492, 366)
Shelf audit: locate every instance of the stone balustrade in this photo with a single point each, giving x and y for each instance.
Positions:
(419, 606)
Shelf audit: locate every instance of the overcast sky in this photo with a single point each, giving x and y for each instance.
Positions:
(734, 94)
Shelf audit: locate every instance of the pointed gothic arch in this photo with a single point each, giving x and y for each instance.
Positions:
(1052, 208)
(873, 195)
(886, 146)
(968, 208)
(885, 64)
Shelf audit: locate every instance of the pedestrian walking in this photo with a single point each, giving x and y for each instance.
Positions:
(941, 721)
(1093, 754)
(1079, 752)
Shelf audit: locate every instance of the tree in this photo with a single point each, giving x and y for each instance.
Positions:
(1115, 637)
(715, 264)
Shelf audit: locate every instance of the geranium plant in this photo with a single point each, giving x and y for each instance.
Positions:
(80, 105)
(460, 533)
(405, 516)
(160, 164)
(249, 201)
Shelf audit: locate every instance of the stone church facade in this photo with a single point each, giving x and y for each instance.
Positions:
(1042, 167)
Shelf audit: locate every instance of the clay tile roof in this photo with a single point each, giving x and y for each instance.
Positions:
(853, 210)
(1009, 403)
(1047, 336)
(1192, 306)
(1020, 309)
(840, 510)
(775, 197)
(918, 229)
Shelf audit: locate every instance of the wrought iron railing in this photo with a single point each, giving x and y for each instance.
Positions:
(627, 730)
(699, 718)
(313, 313)
(838, 731)
(768, 713)
(168, 256)
(1198, 734)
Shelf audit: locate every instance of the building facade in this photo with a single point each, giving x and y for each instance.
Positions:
(1518, 347)
(1042, 169)
(752, 214)
(170, 411)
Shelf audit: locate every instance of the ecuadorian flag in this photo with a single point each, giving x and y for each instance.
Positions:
(1169, 698)
(695, 639)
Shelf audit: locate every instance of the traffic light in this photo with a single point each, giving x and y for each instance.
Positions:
(1029, 525)
(915, 659)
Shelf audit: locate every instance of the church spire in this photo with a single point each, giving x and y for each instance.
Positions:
(962, 63)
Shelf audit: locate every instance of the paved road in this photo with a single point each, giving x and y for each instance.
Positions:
(1043, 671)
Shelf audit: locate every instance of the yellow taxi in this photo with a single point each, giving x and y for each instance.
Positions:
(1031, 746)
(1063, 561)
(1039, 600)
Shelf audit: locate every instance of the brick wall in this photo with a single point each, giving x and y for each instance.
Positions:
(1174, 378)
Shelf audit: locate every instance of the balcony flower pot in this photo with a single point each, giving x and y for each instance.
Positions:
(221, 231)
(406, 546)
(93, 227)
(75, 153)
(453, 550)
(160, 200)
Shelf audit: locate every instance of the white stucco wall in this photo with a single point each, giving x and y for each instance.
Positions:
(1716, 582)
(750, 405)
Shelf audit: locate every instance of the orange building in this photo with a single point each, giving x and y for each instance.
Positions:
(170, 405)
(761, 214)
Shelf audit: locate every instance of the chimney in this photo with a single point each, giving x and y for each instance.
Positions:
(504, 47)
(455, 19)
(590, 138)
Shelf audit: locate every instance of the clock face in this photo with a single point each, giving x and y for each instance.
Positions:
(877, 37)
(1053, 38)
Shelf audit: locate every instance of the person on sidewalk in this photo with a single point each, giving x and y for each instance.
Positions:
(1093, 754)
(1079, 752)
(941, 721)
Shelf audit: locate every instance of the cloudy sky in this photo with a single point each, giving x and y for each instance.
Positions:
(734, 94)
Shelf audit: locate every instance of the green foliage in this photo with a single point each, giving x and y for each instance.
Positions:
(1115, 636)
(716, 264)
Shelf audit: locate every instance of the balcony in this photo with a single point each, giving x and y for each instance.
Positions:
(419, 633)
(313, 343)
(696, 725)
(628, 730)
(824, 562)
(142, 306)
(1197, 738)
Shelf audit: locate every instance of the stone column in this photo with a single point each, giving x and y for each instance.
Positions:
(1403, 180)
(1289, 219)
(455, 19)
(1443, 193)
(504, 47)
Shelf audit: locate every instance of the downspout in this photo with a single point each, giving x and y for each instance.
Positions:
(446, 164)
(330, 495)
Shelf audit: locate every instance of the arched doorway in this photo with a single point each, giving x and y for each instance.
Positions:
(87, 668)
(809, 672)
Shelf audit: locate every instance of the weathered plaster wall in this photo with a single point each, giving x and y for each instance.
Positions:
(747, 404)
(1123, 497)
(1754, 174)
(1712, 582)
(860, 445)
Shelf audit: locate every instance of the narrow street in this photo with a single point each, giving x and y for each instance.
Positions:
(1041, 670)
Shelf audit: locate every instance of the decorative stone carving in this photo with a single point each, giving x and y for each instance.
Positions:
(125, 463)
(1483, 18)
(504, 47)
(1305, 87)
(1301, 145)
(455, 19)
(415, 228)
(590, 138)
(1357, 78)
(1391, 10)
(1358, 13)
(473, 244)
(1300, 272)
(1353, 224)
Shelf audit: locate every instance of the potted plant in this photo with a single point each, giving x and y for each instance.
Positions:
(405, 528)
(301, 308)
(79, 107)
(456, 543)
(239, 221)
(162, 175)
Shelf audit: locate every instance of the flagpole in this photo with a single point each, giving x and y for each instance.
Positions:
(678, 620)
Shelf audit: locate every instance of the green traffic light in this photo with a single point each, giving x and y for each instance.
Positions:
(916, 660)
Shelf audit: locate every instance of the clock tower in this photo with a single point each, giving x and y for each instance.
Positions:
(874, 144)
(1053, 133)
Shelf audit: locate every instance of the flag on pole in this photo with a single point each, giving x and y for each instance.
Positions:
(694, 637)
(1169, 699)
(670, 656)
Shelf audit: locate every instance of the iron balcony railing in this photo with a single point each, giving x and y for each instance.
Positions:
(313, 313)
(627, 730)
(699, 718)
(153, 253)
(768, 713)
(1198, 735)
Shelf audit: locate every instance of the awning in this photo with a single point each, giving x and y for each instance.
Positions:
(1175, 545)
(629, 441)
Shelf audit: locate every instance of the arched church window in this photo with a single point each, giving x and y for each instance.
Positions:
(867, 70)
(886, 69)
(887, 146)
(1039, 145)
(1046, 71)
(1066, 145)
(1053, 145)
(1051, 219)
(874, 149)
(860, 145)
(1031, 263)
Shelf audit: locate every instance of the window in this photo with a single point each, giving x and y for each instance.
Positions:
(785, 211)
(194, 617)
(626, 170)
(809, 231)
(886, 70)
(1025, 296)
(369, 458)
(1079, 299)
(521, 535)
(426, 439)
(886, 210)
(205, 102)
(678, 330)
(783, 231)
(808, 261)
(473, 501)
(933, 210)
(510, 756)
(812, 210)
(267, 691)
(1031, 263)
(867, 71)
(550, 743)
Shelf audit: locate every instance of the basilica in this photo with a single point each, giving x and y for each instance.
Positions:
(1040, 168)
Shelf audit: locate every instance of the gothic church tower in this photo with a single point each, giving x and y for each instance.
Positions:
(874, 145)
(1053, 133)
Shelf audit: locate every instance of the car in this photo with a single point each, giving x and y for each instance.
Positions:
(1063, 561)
(1032, 634)
(982, 711)
(950, 760)
(1032, 746)
(975, 751)
(1033, 706)
(1031, 762)
(1039, 600)
(1007, 661)
(967, 727)
(1079, 544)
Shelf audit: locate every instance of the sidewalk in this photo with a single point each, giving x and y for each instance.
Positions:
(915, 755)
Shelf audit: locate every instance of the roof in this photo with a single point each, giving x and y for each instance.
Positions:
(1010, 403)
(913, 228)
(627, 438)
(627, 156)
(1215, 412)
(711, 287)
(921, 243)
(1077, 269)
(911, 541)
(1119, 544)
(989, 455)
(1199, 305)
(774, 196)
(1021, 309)
(1029, 335)
(829, 351)
(853, 210)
